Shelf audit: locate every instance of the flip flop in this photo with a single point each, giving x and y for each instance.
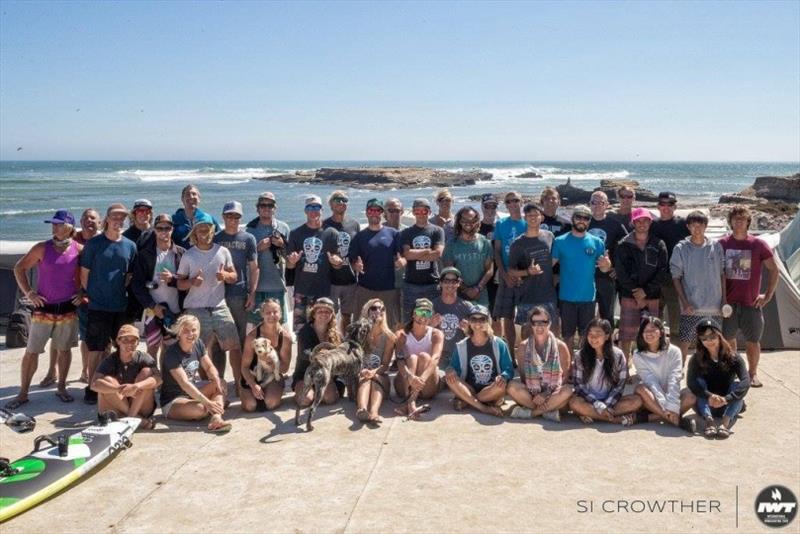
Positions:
(221, 429)
(424, 408)
(755, 382)
(47, 382)
(13, 404)
(362, 415)
(63, 396)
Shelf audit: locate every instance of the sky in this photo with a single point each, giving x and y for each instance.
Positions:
(540, 81)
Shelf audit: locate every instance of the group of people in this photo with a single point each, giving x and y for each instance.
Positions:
(434, 292)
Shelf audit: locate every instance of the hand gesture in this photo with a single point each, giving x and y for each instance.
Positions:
(264, 244)
(293, 258)
(335, 260)
(221, 273)
(534, 269)
(604, 262)
(197, 281)
(436, 320)
(399, 261)
(358, 265)
(415, 383)
(165, 276)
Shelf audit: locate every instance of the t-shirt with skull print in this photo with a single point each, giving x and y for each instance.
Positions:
(450, 325)
(347, 229)
(422, 273)
(312, 274)
(175, 357)
(481, 367)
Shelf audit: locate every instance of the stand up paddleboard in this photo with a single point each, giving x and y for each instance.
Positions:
(57, 461)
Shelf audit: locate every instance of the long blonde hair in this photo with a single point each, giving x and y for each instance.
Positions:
(382, 321)
(333, 328)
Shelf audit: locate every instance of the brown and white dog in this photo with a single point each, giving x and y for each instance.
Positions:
(268, 367)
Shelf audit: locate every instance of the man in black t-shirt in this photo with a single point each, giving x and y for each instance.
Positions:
(550, 201)
(422, 245)
(671, 230)
(610, 230)
(343, 281)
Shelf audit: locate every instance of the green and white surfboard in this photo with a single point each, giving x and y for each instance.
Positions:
(59, 460)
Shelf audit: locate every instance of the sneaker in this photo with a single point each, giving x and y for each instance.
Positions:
(552, 415)
(520, 412)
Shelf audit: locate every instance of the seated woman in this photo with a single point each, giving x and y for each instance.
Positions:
(253, 397)
(373, 383)
(718, 378)
(419, 347)
(127, 379)
(320, 328)
(659, 365)
(480, 367)
(598, 376)
(183, 395)
(543, 361)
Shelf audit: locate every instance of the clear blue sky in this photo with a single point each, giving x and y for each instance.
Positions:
(521, 81)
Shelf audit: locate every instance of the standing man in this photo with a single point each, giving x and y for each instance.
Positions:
(444, 217)
(642, 268)
(374, 255)
(450, 313)
(472, 254)
(54, 317)
(580, 254)
(550, 201)
(422, 245)
(155, 282)
(745, 255)
(239, 296)
(140, 219)
(697, 266)
(90, 227)
(106, 270)
(271, 237)
(627, 196)
(505, 233)
(610, 231)
(529, 259)
(671, 230)
(184, 219)
(313, 252)
(204, 271)
(343, 281)
(488, 220)
(393, 216)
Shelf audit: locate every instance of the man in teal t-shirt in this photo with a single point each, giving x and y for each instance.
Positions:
(470, 253)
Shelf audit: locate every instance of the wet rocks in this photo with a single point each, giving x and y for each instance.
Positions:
(383, 177)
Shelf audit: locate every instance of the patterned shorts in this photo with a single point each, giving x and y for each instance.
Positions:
(62, 329)
(688, 326)
(631, 316)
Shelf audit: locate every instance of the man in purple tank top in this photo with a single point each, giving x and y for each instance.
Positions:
(55, 298)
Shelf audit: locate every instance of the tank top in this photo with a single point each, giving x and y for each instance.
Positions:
(56, 281)
(374, 355)
(415, 346)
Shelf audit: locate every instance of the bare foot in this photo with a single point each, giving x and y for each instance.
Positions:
(586, 420)
(415, 415)
(492, 410)
(402, 410)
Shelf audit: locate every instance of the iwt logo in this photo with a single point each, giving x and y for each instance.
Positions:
(776, 506)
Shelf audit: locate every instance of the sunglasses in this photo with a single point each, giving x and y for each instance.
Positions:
(512, 201)
(340, 200)
(581, 217)
(376, 307)
(490, 206)
(450, 280)
(444, 199)
(268, 206)
(314, 207)
(479, 319)
(627, 197)
(394, 210)
(374, 211)
(419, 312)
(598, 202)
(163, 228)
(128, 340)
(540, 322)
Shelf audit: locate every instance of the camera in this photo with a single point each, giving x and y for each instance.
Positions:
(152, 284)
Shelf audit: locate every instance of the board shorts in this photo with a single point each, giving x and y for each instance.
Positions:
(344, 299)
(217, 321)
(504, 301)
(748, 319)
(687, 332)
(630, 316)
(58, 323)
(102, 328)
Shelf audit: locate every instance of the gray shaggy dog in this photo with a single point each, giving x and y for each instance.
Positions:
(328, 361)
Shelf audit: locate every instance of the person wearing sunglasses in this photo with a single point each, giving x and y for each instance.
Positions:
(422, 245)
(642, 268)
(373, 384)
(271, 235)
(471, 253)
(480, 366)
(419, 347)
(719, 379)
(450, 312)
(155, 283)
(375, 256)
(343, 281)
(580, 254)
(313, 252)
(543, 361)
(444, 217)
(610, 230)
(660, 367)
(488, 220)
(141, 218)
(626, 196)
(505, 233)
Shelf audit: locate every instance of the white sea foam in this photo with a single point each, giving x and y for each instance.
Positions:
(209, 174)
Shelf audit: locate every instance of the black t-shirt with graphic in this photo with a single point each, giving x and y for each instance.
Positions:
(535, 289)
(175, 357)
(450, 325)
(481, 367)
(347, 231)
(555, 225)
(422, 272)
(312, 274)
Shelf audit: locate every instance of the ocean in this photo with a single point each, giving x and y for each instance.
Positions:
(32, 191)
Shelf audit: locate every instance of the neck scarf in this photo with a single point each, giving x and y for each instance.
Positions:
(543, 372)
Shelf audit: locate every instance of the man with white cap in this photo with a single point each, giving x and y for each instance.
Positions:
(343, 281)
(312, 253)
(240, 295)
(140, 219)
(54, 316)
(271, 236)
(642, 268)
(580, 254)
(106, 270)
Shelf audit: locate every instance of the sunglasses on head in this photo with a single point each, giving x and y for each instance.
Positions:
(420, 312)
(269, 206)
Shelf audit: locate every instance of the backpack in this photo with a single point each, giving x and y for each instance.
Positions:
(19, 325)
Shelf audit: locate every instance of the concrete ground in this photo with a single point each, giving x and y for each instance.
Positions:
(451, 471)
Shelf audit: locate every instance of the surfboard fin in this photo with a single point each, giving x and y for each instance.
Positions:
(106, 417)
(59, 441)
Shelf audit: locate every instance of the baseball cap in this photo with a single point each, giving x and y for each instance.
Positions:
(117, 208)
(582, 209)
(374, 203)
(423, 304)
(324, 301)
(232, 207)
(201, 217)
(421, 203)
(267, 196)
(479, 309)
(163, 217)
(668, 197)
(142, 203)
(489, 198)
(313, 199)
(531, 206)
(638, 213)
(62, 217)
(708, 323)
(128, 330)
(449, 270)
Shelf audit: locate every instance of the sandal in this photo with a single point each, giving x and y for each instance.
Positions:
(362, 415)
(423, 408)
(755, 382)
(723, 433)
(710, 431)
(47, 381)
(63, 396)
(223, 428)
(13, 404)
(586, 420)
(148, 423)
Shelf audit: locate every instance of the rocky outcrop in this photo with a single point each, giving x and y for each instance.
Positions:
(786, 188)
(530, 174)
(383, 177)
(571, 195)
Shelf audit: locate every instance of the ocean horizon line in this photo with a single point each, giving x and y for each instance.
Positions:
(639, 161)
